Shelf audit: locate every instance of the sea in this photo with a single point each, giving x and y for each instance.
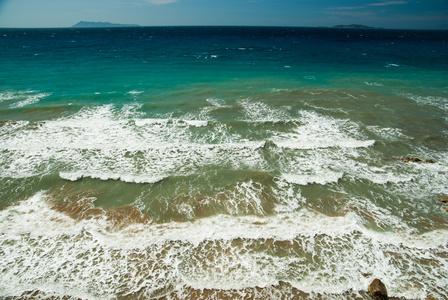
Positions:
(223, 163)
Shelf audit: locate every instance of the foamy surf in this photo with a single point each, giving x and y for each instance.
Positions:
(75, 176)
(316, 131)
(219, 253)
(22, 98)
(305, 179)
(222, 163)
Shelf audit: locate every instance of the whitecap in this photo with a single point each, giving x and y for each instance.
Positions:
(322, 179)
(391, 65)
(75, 176)
(388, 133)
(23, 98)
(135, 92)
(317, 131)
(440, 102)
(262, 112)
(196, 123)
(297, 143)
(374, 83)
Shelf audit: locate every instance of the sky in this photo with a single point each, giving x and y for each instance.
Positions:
(394, 14)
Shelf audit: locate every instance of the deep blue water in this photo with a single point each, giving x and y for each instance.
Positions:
(239, 162)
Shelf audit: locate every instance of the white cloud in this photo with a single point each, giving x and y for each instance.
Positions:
(388, 3)
(347, 8)
(356, 14)
(159, 2)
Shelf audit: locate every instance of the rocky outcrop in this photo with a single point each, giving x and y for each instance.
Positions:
(414, 160)
(378, 290)
(444, 201)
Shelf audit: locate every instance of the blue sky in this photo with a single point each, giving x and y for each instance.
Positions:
(412, 14)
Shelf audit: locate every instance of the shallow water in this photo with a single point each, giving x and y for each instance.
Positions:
(222, 163)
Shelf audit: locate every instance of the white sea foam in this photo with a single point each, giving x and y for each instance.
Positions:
(99, 142)
(297, 142)
(135, 92)
(35, 216)
(439, 102)
(30, 99)
(313, 252)
(388, 133)
(102, 142)
(205, 113)
(196, 123)
(259, 111)
(132, 110)
(75, 176)
(392, 65)
(317, 131)
(5, 96)
(325, 178)
(22, 98)
(374, 83)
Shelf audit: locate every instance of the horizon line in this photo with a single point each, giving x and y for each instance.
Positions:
(114, 25)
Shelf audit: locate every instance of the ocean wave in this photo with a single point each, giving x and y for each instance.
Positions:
(387, 133)
(127, 164)
(196, 123)
(76, 176)
(324, 178)
(135, 92)
(6, 96)
(317, 131)
(373, 83)
(259, 111)
(215, 253)
(22, 98)
(38, 215)
(322, 143)
(440, 102)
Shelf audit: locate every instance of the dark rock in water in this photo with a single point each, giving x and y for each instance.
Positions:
(431, 298)
(414, 160)
(378, 290)
(444, 201)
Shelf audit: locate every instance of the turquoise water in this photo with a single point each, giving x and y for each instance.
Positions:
(222, 162)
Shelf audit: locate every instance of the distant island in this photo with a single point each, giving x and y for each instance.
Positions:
(357, 26)
(84, 24)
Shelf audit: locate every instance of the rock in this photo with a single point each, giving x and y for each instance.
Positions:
(444, 201)
(378, 290)
(431, 298)
(414, 160)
